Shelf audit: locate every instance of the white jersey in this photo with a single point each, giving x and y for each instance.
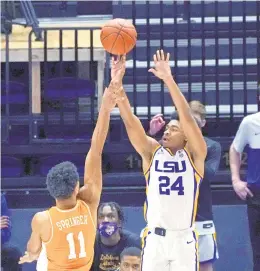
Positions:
(172, 189)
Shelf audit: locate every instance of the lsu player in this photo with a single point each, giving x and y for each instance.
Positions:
(67, 230)
(173, 174)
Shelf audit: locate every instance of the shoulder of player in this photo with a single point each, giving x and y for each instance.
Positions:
(154, 145)
(40, 219)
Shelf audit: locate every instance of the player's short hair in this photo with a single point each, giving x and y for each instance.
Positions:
(198, 108)
(114, 206)
(62, 180)
(175, 116)
(131, 251)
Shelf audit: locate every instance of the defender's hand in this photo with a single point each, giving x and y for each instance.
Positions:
(118, 67)
(162, 68)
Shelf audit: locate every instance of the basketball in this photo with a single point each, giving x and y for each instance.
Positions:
(118, 36)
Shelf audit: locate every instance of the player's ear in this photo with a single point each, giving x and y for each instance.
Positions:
(77, 188)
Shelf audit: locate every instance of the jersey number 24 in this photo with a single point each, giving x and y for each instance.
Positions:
(165, 187)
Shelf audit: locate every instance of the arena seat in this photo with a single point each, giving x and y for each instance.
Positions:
(46, 163)
(11, 167)
(67, 89)
(18, 98)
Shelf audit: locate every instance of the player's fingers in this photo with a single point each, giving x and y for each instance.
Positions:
(248, 191)
(162, 55)
(152, 71)
(168, 57)
(123, 58)
(158, 55)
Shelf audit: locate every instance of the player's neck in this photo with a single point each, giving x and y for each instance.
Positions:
(175, 149)
(112, 240)
(66, 204)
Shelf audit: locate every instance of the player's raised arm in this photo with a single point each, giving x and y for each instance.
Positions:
(196, 142)
(142, 143)
(91, 190)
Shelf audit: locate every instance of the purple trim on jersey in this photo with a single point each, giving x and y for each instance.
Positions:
(146, 200)
(142, 255)
(194, 197)
(196, 250)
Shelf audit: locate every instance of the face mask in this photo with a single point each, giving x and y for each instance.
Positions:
(107, 229)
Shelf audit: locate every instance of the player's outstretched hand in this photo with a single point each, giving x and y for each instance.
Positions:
(115, 89)
(118, 67)
(156, 124)
(26, 258)
(161, 68)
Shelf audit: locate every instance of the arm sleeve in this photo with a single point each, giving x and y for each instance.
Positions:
(6, 232)
(212, 160)
(240, 140)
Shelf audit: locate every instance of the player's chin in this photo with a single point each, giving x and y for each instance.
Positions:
(165, 143)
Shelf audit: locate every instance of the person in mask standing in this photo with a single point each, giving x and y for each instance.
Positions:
(111, 239)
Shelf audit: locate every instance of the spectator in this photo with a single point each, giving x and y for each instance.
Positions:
(249, 190)
(10, 254)
(111, 239)
(130, 259)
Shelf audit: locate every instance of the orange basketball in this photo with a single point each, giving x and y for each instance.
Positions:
(118, 36)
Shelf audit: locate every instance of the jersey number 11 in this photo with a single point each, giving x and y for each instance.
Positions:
(70, 239)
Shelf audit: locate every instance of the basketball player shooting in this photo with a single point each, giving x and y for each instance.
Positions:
(67, 231)
(173, 173)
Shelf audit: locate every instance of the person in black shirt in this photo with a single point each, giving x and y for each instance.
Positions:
(111, 239)
(208, 251)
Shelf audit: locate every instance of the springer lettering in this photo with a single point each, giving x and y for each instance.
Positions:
(170, 166)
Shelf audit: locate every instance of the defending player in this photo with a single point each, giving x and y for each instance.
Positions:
(173, 173)
(68, 230)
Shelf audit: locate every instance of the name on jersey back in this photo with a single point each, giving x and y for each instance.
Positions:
(72, 221)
